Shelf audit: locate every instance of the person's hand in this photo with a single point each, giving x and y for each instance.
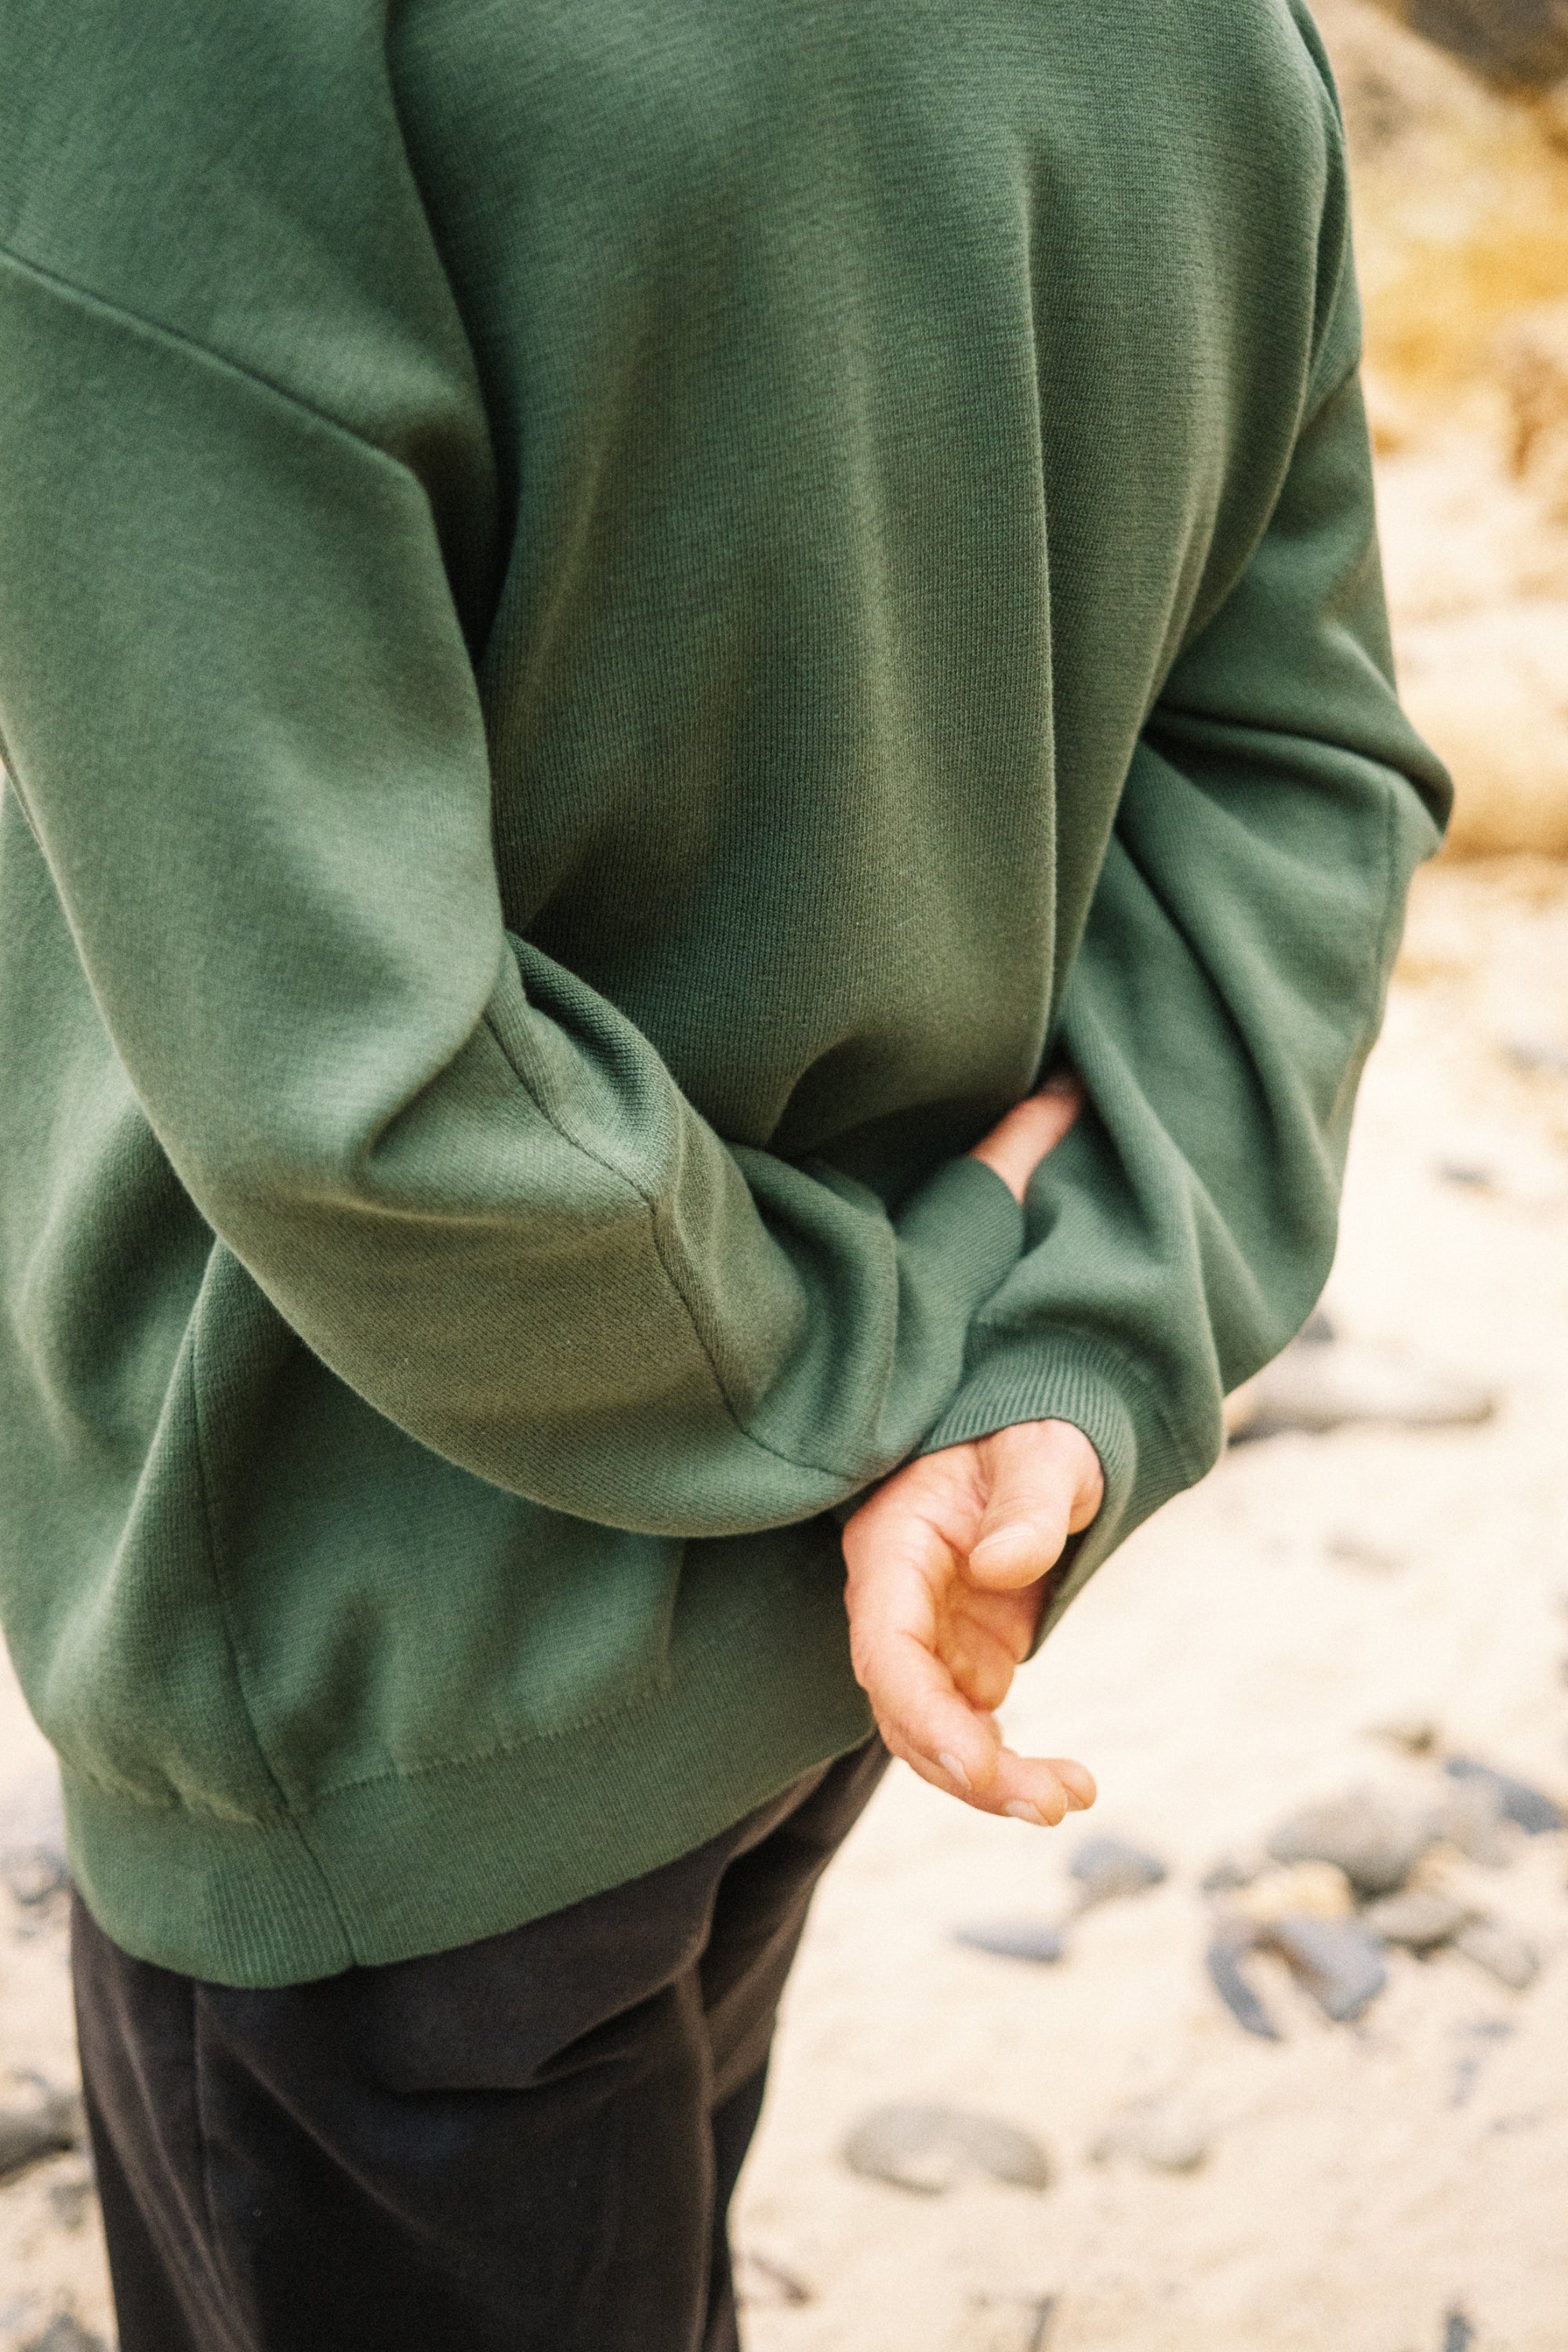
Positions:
(945, 1561)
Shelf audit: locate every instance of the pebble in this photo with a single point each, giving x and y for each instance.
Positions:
(1374, 1843)
(66, 2334)
(1536, 1053)
(33, 1839)
(1105, 1868)
(1014, 1939)
(70, 2201)
(1419, 1918)
(1500, 1952)
(760, 2280)
(1535, 1812)
(1314, 1890)
(1319, 1384)
(1471, 1818)
(930, 2149)
(1222, 1960)
(28, 2135)
(1413, 1734)
(1339, 1963)
(1233, 1870)
(1159, 2132)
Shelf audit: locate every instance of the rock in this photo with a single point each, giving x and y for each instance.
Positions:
(1516, 1800)
(1468, 1175)
(1470, 1819)
(1413, 1734)
(1500, 1952)
(1314, 1890)
(930, 2150)
(1535, 1055)
(1233, 1870)
(66, 2334)
(1514, 45)
(1458, 2332)
(1419, 1918)
(1105, 1868)
(1354, 1551)
(1318, 1385)
(1376, 1842)
(29, 2133)
(1341, 1964)
(760, 2280)
(1014, 1939)
(70, 2201)
(33, 1839)
(1158, 2132)
(1222, 1960)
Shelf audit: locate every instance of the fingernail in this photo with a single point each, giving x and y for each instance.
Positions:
(954, 1769)
(1020, 1809)
(1008, 1544)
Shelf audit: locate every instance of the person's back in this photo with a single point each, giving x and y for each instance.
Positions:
(615, 620)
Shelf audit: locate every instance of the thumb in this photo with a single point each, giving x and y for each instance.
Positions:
(1044, 1482)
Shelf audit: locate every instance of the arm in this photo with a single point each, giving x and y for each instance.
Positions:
(1229, 985)
(247, 526)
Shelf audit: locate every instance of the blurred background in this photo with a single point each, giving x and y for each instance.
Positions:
(1268, 2053)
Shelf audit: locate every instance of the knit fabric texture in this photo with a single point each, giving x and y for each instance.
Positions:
(616, 621)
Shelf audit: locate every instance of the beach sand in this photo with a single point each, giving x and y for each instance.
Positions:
(1238, 1658)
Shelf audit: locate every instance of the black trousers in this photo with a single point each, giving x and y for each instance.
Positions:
(527, 2145)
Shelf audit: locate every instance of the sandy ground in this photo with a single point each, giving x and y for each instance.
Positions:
(1235, 1661)
(1238, 1658)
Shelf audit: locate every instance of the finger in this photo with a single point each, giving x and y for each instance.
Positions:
(1045, 1482)
(1040, 1789)
(923, 1716)
(1020, 1139)
(981, 1664)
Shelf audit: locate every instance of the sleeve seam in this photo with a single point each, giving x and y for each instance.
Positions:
(83, 298)
(650, 1205)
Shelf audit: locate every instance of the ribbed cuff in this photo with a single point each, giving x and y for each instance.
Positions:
(967, 1231)
(1078, 1378)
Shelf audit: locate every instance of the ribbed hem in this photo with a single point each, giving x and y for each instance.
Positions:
(424, 1861)
(1078, 1378)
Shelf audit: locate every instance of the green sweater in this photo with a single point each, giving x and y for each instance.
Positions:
(615, 614)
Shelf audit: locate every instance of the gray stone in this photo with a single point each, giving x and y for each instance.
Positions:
(1515, 44)
(1012, 1939)
(1420, 1918)
(759, 2280)
(1471, 1818)
(1339, 1963)
(1535, 1812)
(33, 1839)
(1536, 1054)
(1105, 1868)
(1159, 2132)
(1222, 1960)
(1376, 1842)
(66, 2334)
(1504, 1954)
(29, 2133)
(930, 2149)
(1316, 1386)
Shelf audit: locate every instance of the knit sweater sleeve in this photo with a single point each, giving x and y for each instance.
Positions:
(1228, 987)
(247, 517)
